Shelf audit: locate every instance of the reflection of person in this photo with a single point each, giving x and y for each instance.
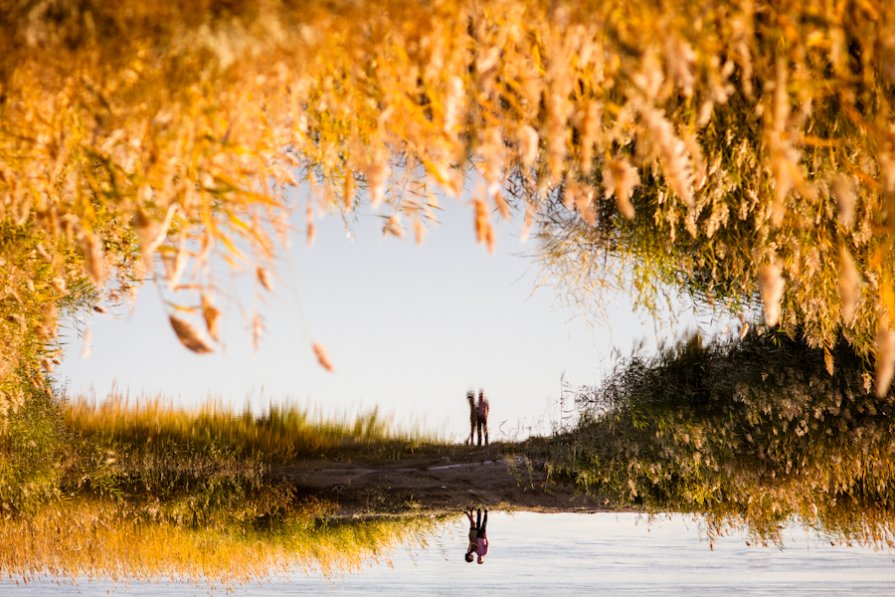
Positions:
(473, 417)
(484, 410)
(472, 546)
(481, 536)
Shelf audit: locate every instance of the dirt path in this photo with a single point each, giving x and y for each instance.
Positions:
(435, 479)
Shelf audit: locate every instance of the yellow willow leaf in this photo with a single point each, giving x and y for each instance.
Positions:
(264, 278)
(86, 343)
(152, 234)
(528, 221)
(231, 262)
(188, 336)
(481, 219)
(672, 154)
(503, 208)
(843, 188)
(620, 179)
(484, 231)
(887, 296)
(528, 145)
(509, 95)
(772, 286)
(489, 238)
(237, 254)
(250, 232)
(536, 56)
(393, 226)
(348, 192)
(280, 223)
(377, 173)
(257, 330)
(885, 358)
(93, 259)
(584, 203)
(311, 228)
(211, 315)
(435, 171)
(175, 267)
(185, 308)
(244, 196)
(870, 8)
(311, 233)
(849, 285)
(322, 357)
(419, 231)
(205, 246)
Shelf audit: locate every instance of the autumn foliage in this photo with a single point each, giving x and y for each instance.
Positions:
(730, 147)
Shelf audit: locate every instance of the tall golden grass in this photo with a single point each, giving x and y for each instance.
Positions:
(279, 434)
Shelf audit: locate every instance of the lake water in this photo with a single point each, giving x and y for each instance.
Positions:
(567, 554)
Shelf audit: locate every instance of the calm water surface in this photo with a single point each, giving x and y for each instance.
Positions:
(567, 554)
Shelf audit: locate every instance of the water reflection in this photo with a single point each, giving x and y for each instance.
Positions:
(564, 554)
(96, 539)
(477, 548)
(747, 433)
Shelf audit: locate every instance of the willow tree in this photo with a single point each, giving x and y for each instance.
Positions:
(721, 144)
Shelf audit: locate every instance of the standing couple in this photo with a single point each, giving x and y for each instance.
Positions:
(478, 417)
(478, 536)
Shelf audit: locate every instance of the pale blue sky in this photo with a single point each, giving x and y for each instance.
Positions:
(408, 328)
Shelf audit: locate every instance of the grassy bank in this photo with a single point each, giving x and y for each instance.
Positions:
(749, 433)
(280, 434)
(210, 467)
(144, 489)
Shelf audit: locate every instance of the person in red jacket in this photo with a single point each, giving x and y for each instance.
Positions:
(481, 537)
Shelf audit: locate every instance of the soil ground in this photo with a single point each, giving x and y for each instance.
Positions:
(437, 479)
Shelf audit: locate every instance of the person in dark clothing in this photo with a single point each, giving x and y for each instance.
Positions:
(472, 546)
(473, 417)
(483, 410)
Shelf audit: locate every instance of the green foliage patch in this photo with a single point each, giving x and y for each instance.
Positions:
(747, 433)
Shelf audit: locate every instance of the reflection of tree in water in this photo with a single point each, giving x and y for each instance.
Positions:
(101, 539)
(148, 490)
(748, 433)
